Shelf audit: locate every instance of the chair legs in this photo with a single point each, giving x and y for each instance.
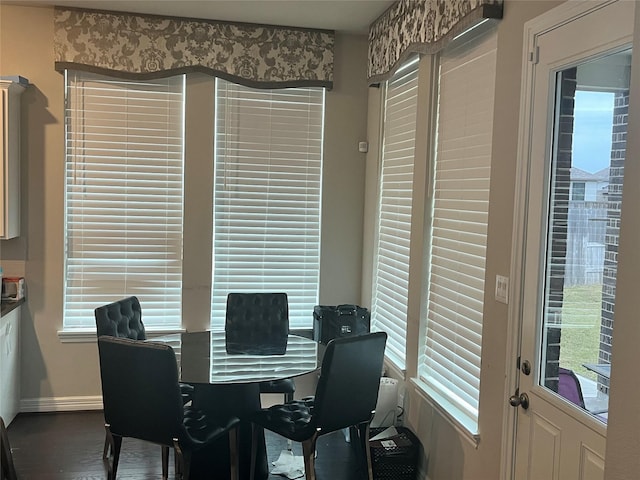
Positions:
(234, 454)
(363, 433)
(105, 451)
(309, 453)
(288, 397)
(110, 458)
(183, 461)
(254, 450)
(165, 462)
(309, 450)
(115, 443)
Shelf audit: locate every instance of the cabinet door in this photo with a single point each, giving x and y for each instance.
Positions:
(10, 365)
(4, 93)
(10, 172)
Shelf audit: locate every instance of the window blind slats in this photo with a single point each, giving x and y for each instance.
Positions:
(123, 197)
(299, 354)
(450, 360)
(391, 275)
(267, 196)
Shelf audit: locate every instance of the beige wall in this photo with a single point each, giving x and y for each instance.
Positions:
(59, 375)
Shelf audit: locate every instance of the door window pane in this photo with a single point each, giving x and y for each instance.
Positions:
(584, 221)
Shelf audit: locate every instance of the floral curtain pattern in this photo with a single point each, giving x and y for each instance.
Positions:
(141, 46)
(422, 26)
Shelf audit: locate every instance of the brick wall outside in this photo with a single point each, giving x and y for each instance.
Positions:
(616, 174)
(559, 224)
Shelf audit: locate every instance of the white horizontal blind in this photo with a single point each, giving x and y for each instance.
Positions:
(450, 361)
(268, 174)
(124, 185)
(391, 277)
(301, 355)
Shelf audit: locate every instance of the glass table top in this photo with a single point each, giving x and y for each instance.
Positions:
(202, 358)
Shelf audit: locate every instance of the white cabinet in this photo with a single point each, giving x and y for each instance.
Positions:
(10, 90)
(10, 365)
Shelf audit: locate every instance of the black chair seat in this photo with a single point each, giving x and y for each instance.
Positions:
(199, 431)
(293, 420)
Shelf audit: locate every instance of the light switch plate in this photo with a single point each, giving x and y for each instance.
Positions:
(502, 289)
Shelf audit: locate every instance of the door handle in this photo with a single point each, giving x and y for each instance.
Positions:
(519, 400)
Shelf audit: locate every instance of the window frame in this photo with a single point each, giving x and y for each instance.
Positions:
(393, 223)
(129, 115)
(290, 190)
(465, 422)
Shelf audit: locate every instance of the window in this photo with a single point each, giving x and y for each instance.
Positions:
(123, 197)
(268, 172)
(449, 364)
(391, 275)
(578, 191)
(582, 239)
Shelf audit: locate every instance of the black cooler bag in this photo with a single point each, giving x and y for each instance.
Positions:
(331, 322)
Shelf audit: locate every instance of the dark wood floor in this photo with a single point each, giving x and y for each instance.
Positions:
(68, 446)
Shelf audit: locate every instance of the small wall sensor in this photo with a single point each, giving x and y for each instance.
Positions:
(363, 147)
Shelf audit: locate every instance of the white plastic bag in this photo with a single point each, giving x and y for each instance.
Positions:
(387, 406)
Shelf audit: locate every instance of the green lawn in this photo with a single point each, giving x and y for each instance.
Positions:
(580, 328)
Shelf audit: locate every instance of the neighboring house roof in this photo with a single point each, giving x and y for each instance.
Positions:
(577, 174)
(602, 175)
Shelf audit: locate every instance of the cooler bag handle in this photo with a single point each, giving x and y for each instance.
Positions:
(347, 309)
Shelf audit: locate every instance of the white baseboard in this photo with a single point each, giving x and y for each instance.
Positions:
(60, 404)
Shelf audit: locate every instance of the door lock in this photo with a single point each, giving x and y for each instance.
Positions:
(519, 400)
(526, 367)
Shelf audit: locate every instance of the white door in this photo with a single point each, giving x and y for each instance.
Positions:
(572, 151)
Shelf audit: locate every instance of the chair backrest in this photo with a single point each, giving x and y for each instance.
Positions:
(257, 323)
(349, 382)
(140, 389)
(569, 386)
(121, 319)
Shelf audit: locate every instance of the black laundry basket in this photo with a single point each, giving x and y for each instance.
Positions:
(395, 458)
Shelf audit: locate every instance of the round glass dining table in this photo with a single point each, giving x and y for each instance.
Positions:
(228, 384)
(203, 359)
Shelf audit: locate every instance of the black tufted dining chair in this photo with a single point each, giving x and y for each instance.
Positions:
(123, 319)
(142, 400)
(346, 396)
(258, 324)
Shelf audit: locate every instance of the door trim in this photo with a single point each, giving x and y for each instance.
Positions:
(533, 30)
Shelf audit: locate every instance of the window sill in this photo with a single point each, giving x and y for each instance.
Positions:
(392, 370)
(463, 424)
(89, 335)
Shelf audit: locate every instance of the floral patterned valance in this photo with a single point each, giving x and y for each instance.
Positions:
(422, 26)
(143, 46)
